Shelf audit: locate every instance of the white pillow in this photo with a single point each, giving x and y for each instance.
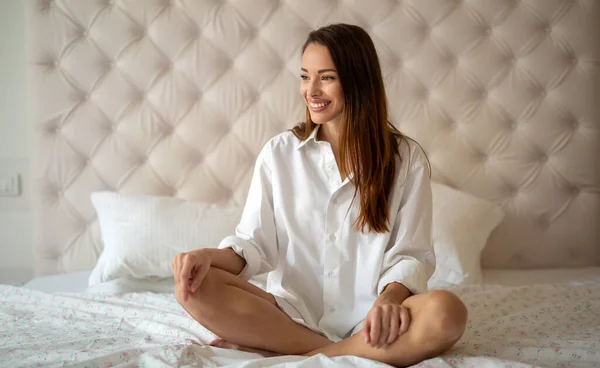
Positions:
(142, 234)
(461, 226)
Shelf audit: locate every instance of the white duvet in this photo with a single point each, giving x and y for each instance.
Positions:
(543, 325)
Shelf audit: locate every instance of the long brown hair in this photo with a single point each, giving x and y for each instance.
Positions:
(368, 142)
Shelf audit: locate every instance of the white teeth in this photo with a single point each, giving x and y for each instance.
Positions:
(317, 106)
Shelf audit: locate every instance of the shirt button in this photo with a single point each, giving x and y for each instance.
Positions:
(331, 274)
(331, 309)
(332, 237)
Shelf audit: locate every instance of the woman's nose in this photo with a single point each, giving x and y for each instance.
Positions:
(314, 89)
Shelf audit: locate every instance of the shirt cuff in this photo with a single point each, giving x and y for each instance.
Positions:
(245, 250)
(409, 272)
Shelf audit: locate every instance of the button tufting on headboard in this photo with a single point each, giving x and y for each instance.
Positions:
(178, 97)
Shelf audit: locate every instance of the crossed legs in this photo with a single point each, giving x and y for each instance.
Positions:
(246, 315)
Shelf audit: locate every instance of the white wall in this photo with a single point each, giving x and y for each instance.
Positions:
(16, 241)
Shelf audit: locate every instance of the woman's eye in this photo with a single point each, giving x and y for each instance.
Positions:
(328, 77)
(304, 77)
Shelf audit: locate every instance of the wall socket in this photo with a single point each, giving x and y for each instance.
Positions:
(10, 185)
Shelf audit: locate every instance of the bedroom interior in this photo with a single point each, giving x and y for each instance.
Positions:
(144, 120)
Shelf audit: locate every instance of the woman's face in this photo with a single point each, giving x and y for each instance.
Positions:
(320, 86)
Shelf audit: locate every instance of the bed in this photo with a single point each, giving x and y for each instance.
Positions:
(539, 318)
(175, 99)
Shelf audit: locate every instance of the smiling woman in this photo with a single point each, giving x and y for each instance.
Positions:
(321, 88)
(345, 95)
(348, 251)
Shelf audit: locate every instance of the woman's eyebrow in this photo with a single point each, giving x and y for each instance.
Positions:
(321, 70)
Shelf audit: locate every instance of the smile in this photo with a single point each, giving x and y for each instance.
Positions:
(318, 107)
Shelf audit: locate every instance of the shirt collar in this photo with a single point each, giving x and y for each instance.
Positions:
(312, 136)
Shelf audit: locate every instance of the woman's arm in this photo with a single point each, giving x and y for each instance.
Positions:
(227, 260)
(410, 260)
(255, 239)
(394, 293)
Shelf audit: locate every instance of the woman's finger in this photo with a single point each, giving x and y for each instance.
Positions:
(394, 325)
(185, 275)
(173, 269)
(176, 266)
(375, 326)
(404, 320)
(367, 330)
(199, 277)
(385, 325)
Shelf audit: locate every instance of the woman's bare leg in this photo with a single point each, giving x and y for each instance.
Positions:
(246, 316)
(438, 320)
(243, 314)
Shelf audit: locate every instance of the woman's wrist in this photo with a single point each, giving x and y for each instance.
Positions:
(226, 259)
(394, 293)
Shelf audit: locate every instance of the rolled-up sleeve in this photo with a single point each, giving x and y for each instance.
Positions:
(411, 259)
(255, 237)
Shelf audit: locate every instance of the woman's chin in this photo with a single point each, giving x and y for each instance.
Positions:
(318, 119)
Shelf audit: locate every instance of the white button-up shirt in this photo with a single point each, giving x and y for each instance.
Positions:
(296, 224)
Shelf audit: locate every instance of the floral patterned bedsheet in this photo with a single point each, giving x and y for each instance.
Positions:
(554, 325)
(541, 325)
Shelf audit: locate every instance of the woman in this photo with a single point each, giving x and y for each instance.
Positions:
(339, 213)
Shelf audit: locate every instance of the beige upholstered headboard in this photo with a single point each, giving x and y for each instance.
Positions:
(176, 97)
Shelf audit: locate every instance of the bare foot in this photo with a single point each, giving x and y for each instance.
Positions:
(219, 343)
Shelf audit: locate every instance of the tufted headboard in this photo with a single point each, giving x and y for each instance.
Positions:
(176, 97)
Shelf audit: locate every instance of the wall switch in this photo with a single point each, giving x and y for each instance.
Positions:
(10, 185)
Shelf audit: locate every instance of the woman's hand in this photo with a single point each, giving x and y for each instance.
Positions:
(189, 270)
(384, 323)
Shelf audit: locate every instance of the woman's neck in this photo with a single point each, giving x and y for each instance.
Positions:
(330, 132)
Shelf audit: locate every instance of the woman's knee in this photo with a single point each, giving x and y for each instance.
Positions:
(204, 296)
(218, 297)
(445, 318)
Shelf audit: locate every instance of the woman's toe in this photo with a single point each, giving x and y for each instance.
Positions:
(220, 343)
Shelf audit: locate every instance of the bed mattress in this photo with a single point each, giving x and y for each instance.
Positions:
(542, 323)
